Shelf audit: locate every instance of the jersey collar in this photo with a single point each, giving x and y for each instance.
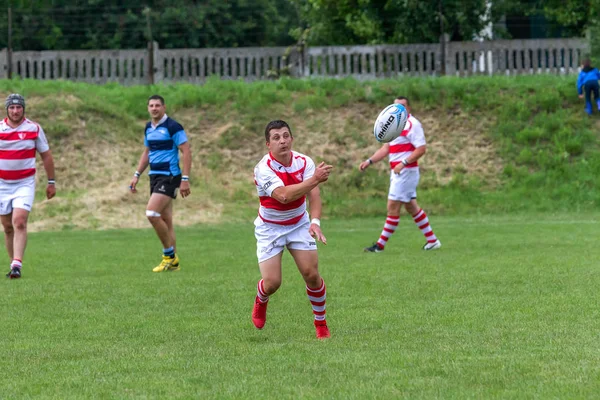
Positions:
(162, 120)
(7, 124)
(279, 162)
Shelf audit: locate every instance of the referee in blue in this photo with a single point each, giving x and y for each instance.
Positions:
(164, 138)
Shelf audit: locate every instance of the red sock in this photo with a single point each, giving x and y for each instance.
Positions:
(391, 223)
(262, 296)
(423, 224)
(317, 300)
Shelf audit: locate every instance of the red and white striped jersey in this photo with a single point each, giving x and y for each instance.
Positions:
(17, 149)
(411, 137)
(269, 174)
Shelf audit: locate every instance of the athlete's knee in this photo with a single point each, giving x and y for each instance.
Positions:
(393, 207)
(20, 223)
(168, 218)
(8, 228)
(312, 277)
(271, 285)
(412, 207)
(152, 214)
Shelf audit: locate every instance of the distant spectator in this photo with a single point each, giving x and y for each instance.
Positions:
(588, 82)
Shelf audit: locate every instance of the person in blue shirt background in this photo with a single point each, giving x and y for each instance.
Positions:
(163, 139)
(588, 82)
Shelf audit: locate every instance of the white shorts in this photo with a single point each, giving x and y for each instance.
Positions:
(16, 195)
(403, 186)
(272, 238)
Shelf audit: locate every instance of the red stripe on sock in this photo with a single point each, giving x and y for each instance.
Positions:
(261, 290)
(421, 218)
(312, 292)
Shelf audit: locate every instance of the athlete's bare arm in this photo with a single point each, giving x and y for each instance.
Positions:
(48, 162)
(142, 164)
(379, 155)
(287, 194)
(315, 206)
(184, 188)
(414, 156)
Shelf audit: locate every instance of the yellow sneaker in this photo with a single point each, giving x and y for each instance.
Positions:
(168, 264)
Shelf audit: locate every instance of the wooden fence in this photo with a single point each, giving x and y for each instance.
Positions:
(130, 67)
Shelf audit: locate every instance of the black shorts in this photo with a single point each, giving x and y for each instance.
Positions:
(165, 184)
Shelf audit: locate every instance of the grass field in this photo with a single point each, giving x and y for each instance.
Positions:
(508, 308)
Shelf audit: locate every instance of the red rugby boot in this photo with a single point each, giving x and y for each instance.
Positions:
(259, 313)
(322, 329)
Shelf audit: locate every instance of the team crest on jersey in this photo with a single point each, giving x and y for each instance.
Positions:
(298, 176)
(22, 136)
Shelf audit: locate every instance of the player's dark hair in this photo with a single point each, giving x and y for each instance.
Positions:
(157, 97)
(277, 124)
(403, 98)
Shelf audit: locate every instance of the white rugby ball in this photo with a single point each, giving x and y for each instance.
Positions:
(390, 123)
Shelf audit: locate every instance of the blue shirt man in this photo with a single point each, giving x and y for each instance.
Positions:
(163, 139)
(588, 81)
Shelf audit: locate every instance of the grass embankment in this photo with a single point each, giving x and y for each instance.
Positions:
(495, 144)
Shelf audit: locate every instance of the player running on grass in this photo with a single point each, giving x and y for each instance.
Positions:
(284, 180)
(163, 138)
(403, 152)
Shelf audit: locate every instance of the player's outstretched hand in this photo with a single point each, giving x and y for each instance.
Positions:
(315, 231)
(50, 191)
(322, 171)
(364, 165)
(184, 188)
(398, 168)
(133, 184)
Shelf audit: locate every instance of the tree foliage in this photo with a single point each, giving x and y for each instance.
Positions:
(398, 21)
(87, 24)
(90, 24)
(576, 18)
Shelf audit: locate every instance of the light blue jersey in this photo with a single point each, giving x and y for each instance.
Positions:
(163, 142)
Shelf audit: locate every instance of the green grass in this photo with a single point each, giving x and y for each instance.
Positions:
(508, 308)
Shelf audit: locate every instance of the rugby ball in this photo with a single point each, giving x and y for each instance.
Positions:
(390, 123)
